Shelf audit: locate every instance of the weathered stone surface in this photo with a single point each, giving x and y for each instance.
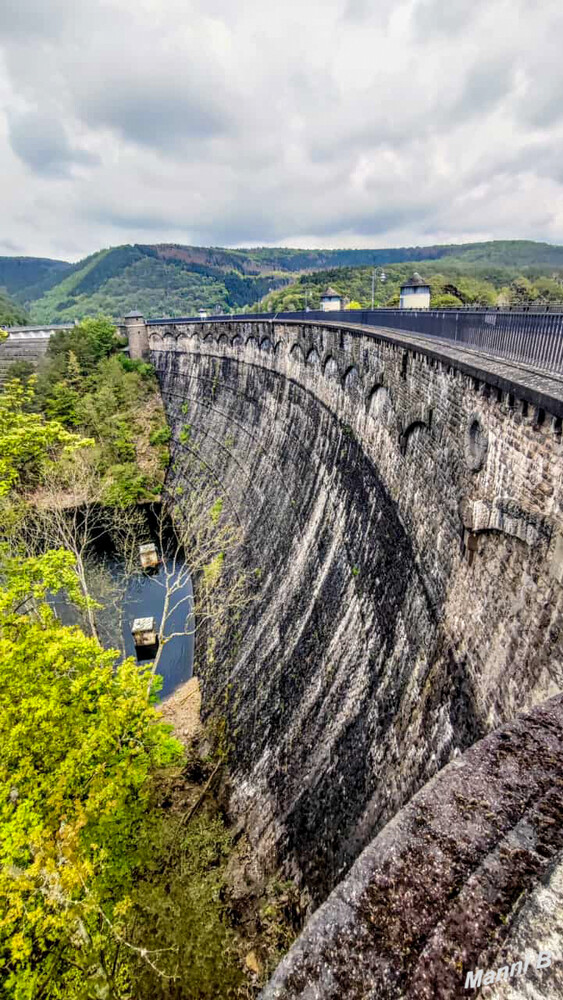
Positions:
(537, 927)
(468, 876)
(403, 559)
(24, 345)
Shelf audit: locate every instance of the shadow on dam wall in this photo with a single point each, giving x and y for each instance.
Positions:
(404, 600)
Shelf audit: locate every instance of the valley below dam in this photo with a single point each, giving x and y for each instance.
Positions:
(126, 592)
(393, 692)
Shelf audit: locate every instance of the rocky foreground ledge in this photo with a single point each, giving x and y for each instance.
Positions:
(469, 875)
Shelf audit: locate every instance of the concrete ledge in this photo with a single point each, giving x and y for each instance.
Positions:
(442, 888)
(540, 389)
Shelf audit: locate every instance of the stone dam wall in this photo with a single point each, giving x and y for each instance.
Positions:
(468, 876)
(26, 343)
(402, 511)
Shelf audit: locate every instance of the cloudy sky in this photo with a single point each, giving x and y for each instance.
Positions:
(301, 123)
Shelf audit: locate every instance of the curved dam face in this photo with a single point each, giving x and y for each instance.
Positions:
(402, 514)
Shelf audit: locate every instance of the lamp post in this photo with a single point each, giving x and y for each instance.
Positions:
(382, 279)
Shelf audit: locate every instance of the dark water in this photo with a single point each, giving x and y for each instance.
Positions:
(139, 596)
(145, 598)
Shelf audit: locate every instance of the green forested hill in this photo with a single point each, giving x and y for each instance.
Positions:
(502, 253)
(27, 278)
(11, 314)
(454, 281)
(160, 281)
(169, 279)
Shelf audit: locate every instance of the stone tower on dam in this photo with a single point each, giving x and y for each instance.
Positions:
(393, 692)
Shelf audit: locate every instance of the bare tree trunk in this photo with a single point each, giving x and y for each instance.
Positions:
(205, 550)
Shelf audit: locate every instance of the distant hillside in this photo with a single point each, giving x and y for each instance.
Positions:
(501, 253)
(160, 281)
(454, 282)
(11, 313)
(27, 278)
(168, 279)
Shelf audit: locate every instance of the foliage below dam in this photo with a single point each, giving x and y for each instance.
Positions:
(87, 385)
(119, 873)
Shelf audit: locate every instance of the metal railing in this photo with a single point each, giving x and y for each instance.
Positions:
(530, 337)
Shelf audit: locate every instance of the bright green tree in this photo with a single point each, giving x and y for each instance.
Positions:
(73, 373)
(475, 292)
(79, 742)
(549, 290)
(28, 442)
(23, 370)
(445, 301)
(89, 341)
(63, 404)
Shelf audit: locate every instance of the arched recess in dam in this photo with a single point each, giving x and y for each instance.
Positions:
(402, 518)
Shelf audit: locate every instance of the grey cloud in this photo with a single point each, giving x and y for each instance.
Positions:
(545, 110)
(244, 229)
(360, 10)
(10, 248)
(211, 128)
(161, 119)
(130, 221)
(249, 217)
(382, 120)
(375, 222)
(357, 9)
(449, 18)
(151, 90)
(30, 18)
(226, 230)
(486, 84)
(543, 157)
(41, 142)
(542, 105)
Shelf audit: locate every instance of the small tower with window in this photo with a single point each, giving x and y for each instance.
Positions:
(331, 300)
(415, 293)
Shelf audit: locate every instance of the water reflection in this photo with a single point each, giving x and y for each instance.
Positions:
(127, 596)
(144, 598)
